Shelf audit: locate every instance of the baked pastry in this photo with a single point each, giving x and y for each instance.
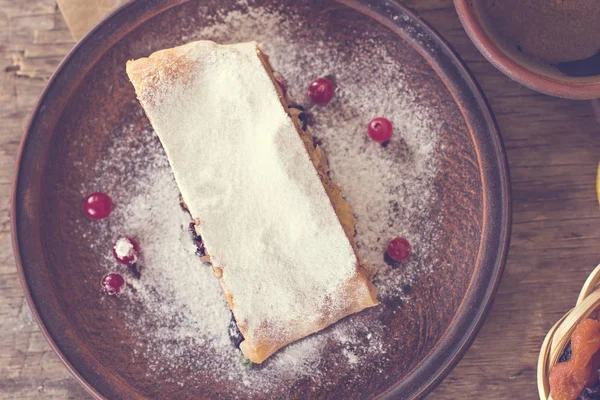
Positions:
(279, 235)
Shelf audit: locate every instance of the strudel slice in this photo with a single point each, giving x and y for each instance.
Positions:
(278, 233)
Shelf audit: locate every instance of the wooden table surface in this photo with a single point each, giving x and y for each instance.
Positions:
(553, 148)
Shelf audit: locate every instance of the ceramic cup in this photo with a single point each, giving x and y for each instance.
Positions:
(555, 79)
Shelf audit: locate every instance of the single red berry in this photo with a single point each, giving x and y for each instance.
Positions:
(398, 249)
(112, 283)
(380, 129)
(126, 250)
(320, 91)
(281, 81)
(97, 205)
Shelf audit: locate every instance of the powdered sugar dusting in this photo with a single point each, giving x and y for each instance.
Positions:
(183, 302)
(184, 318)
(374, 179)
(244, 173)
(124, 248)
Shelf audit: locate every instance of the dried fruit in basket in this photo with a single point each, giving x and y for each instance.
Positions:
(566, 382)
(585, 342)
(568, 379)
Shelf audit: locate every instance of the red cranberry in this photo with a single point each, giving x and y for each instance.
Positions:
(126, 250)
(97, 205)
(112, 283)
(281, 81)
(398, 249)
(380, 129)
(320, 91)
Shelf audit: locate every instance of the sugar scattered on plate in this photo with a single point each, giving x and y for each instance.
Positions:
(184, 318)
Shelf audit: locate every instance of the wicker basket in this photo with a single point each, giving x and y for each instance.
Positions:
(560, 334)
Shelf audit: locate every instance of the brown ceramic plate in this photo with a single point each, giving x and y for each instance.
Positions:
(81, 114)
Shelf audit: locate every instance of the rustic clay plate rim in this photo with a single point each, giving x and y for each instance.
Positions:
(553, 86)
(458, 337)
(505, 220)
(14, 194)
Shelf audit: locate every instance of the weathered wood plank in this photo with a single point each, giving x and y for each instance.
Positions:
(29, 369)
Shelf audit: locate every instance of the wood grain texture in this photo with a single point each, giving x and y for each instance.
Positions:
(553, 146)
(33, 40)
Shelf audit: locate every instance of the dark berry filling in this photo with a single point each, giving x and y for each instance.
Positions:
(235, 336)
(197, 239)
(302, 116)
